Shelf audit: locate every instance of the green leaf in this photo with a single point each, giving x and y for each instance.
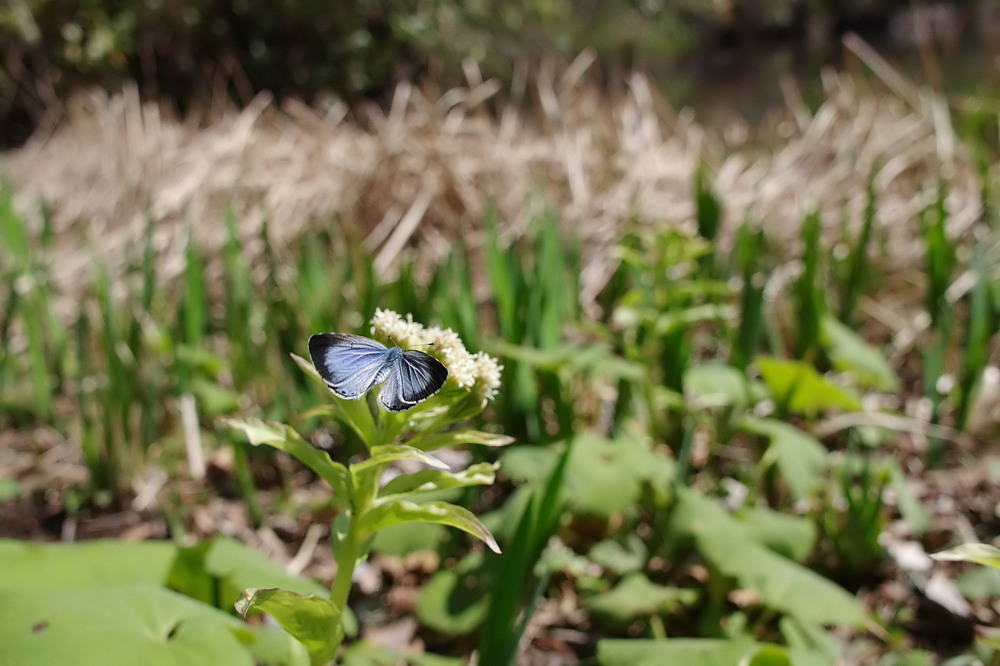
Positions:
(781, 583)
(438, 440)
(784, 534)
(620, 558)
(720, 384)
(804, 390)
(383, 455)
(426, 480)
(804, 638)
(979, 583)
(394, 512)
(700, 651)
(93, 564)
(455, 601)
(792, 536)
(849, 353)
(132, 624)
(799, 456)
(363, 653)
(606, 476)
(284, 438)
(314, 622)
(220, 569)
(980, 553)
(635, 596)
(528, 464)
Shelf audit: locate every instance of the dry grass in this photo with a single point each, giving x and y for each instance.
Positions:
(422, 173)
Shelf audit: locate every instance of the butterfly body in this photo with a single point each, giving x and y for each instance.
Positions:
(351, 365)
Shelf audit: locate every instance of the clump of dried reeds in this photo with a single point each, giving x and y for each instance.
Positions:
(423, 172)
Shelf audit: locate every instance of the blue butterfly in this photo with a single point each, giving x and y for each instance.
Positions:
(351, 365)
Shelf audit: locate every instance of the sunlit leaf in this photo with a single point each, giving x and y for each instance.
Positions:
(804, 390)
(427, 480)
(606, 476)
(799, 456)
(312, 621)
(720, 384)
(620, 558)
(636, 596)
(97, 563)
(850, 353)
(781, 583)
(701, 651)
(437, 440)
(394, 512)
(132, 624)
(383, 455)
(980, 553)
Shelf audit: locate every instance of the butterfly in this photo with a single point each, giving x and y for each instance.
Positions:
(351, 365)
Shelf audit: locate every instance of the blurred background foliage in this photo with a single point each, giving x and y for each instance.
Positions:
(192, 52)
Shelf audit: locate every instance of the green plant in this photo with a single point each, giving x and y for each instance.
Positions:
(163, 603)
(368, 506)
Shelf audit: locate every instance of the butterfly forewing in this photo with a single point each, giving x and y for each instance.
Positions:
(349, 364)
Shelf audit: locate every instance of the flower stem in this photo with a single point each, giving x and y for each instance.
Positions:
(350, 548)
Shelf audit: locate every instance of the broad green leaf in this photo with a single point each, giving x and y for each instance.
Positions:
(130, 624)
(850, 353)
(314, 622)
(426, 480)
(811, 639)
(979, 583)
(455, 601)
(788, 535)
(383, 455)
(700, 651)
(620, 558)
(980, 553)
(394, 512)
(799, 456)
(635, 596)
(92, 564)
(438, 440)
(804, 390)
(234, 566)
(528, 464)
(284, 438)
(720, 384)
(792, 536)
(606, 476)
(364, 653)
(781, 583)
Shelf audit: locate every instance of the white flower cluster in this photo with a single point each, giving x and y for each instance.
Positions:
(479, 371)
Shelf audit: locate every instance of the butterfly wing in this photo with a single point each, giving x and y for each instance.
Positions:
(415, 376)
(349, 364)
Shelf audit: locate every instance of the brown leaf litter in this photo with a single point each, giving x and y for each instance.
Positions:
(424, 172)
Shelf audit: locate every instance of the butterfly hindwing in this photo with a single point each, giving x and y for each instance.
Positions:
(349, 364)
(415, 376)
(422, 374)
